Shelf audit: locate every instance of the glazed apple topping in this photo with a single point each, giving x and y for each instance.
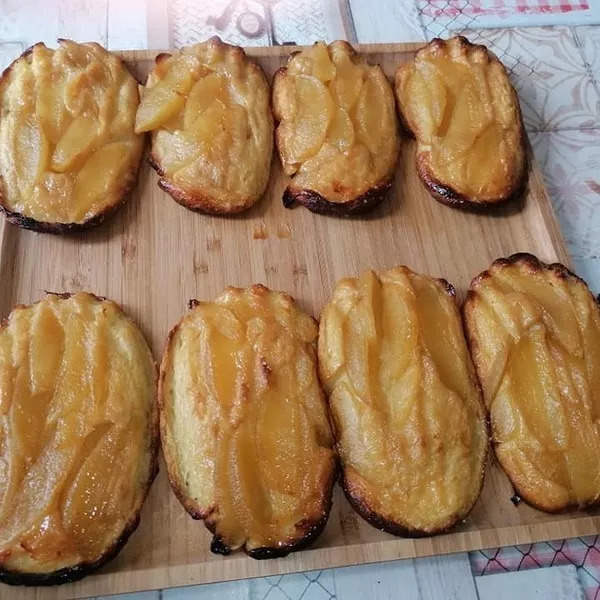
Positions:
(459, 103)
(535, 337)
(337, 133)
(207, 106)
(407, 411)
(245, 418)
(60, 108)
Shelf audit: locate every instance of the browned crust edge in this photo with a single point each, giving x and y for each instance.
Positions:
(310, 528)
(320, 205)
(533, 263)
(130, 180)
(198, 201)
(81, 570)
(447, 195)
(382, 523)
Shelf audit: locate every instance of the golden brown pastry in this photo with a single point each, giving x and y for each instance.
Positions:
(534, 332)
(244, 425)
(68, 152)
(78, 436)
(212, 130)
(457, 101)
(407, 411)
(337, 134)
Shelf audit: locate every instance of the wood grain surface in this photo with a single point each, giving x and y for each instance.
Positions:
(154, 256)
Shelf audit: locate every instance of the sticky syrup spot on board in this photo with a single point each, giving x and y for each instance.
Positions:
(260, 231)
(284, 231)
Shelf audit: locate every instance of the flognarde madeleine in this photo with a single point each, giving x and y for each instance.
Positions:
(457, 101)
(534, 332)
(337, 134)
(244, 425)
(68, 152)
(408, 417)
(78, 436)
(207, 106)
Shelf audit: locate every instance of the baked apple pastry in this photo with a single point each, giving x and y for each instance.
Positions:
(78, 437)
(408, 416)
(534, 332)
(244, 425)
(207, 107)
(457, 101)
(68, 153)
(337, 134)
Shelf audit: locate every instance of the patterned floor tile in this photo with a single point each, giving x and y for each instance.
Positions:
(549, 74)
(276, 594)
(231, 590)
(258, 588)
(294, 585)
(570, 162)
(588, 38)
(316, 592)
(557, 583)
(326, 581)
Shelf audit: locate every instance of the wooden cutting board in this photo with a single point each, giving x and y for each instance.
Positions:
(155, 255)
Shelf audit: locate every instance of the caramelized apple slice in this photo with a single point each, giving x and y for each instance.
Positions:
(210, 123)
(534, 331)
(204, 93)
(179, 77)
(32, 153)
(96, 177)
(322, 67)
(341, 131)
(159, 103)
(175, 150)
(75, 145)
(314, 113)
(348, 81)
(371, 119)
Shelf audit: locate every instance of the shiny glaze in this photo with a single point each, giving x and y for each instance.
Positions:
(458, 101)
(77, 386)
(243, 420)
(337, 134)
(407, 409)
(535, 338)
(67, 146)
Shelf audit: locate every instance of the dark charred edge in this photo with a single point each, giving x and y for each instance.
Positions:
(320, 205)
(532, 262)
(27, 52)
(202, 203)
(32, 224)
(551, 510)
(448, 287)
(447, 195)
(77, 572)
(71, 574)
(312, 528)
(193, 303)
